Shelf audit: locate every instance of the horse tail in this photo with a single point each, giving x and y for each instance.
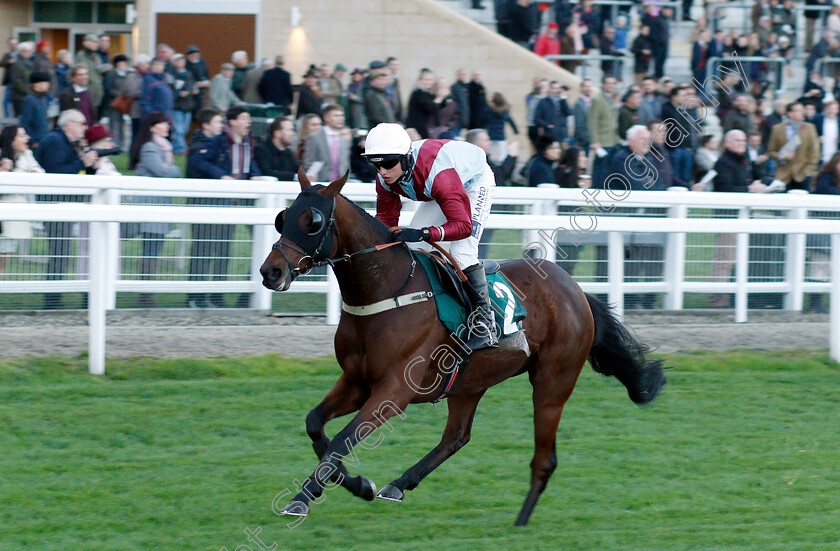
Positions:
(617, 353)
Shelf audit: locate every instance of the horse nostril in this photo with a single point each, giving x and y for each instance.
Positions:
(274, 274)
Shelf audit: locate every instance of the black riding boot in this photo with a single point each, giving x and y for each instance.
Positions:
(481, 325)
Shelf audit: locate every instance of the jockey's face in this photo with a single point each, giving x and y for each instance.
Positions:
(391, 175)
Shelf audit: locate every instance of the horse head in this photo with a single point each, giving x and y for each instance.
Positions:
(308, 235)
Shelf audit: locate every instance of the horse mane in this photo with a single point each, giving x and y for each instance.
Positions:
(381, 229)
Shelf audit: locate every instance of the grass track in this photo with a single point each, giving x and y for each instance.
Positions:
(740, 452)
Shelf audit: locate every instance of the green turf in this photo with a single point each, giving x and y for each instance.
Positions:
(740, 452)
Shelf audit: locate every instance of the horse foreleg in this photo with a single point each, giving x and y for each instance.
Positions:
(345, 397)
(375, 412)
(456, 435)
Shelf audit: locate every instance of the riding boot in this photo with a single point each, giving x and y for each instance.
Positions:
(481, 325)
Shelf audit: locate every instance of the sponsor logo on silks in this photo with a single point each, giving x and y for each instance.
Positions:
(476, 229)
(479, 202)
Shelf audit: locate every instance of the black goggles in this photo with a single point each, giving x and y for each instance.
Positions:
(385, 162)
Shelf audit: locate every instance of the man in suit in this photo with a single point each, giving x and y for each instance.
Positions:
(552, 112)
(796, 147)
(828, 128)
(328, 147)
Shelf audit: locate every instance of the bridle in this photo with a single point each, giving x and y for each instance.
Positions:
(315, 258)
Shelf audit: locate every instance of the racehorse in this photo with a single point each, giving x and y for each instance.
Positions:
(386, 357)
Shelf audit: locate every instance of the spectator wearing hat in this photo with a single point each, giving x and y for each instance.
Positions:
(20, 71)
(275, 86)
(89, 58)
(548, 43)
(42, 63)
(186, 90)
(356, 116)
(78, 95)
(34, 117)
(114, 82)
(309, 95)
(377, 107)
(198, 69)
(335, 86)
(101, 140)
(221, 93)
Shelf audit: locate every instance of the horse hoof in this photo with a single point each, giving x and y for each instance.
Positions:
(389, 492)
(368, 489)
(295, 509)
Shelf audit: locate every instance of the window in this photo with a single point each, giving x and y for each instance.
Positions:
(111, 12)
(63, 12)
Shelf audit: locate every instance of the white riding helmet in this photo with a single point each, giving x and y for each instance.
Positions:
(386, 140)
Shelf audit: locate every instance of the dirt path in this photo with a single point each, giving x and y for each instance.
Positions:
(213, 333)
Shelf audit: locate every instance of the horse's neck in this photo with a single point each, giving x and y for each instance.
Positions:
(373, 276)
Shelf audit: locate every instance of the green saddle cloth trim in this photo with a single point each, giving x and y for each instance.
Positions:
(507, 308)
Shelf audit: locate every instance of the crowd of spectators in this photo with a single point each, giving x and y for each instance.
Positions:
(175, 107)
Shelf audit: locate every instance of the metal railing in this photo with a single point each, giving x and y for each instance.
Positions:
(619, 59)
(714, 62)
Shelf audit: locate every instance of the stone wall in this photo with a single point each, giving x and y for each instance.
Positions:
(13, 13)
(420, 33)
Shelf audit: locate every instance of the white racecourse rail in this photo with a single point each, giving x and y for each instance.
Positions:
(541, 221)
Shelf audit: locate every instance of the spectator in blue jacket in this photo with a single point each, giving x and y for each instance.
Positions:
(229, 156)
(34, 116)
(157, 94)
(61, 152)
(550, 116)
(540, 167)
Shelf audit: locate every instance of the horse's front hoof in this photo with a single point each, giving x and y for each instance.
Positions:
(295, 509)
(389, 492)
(368, 491)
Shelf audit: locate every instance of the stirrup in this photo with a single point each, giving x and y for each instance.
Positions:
(486, 337)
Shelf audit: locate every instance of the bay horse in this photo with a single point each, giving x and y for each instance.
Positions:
(387, 357)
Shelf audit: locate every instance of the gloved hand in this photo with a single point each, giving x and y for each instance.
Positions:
(412, 235)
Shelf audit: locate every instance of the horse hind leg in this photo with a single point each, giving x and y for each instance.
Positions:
(551, 391)
(456, 435)
(345, 397)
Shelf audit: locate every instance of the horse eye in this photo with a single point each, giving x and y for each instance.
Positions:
(278, 222)
(318, 222)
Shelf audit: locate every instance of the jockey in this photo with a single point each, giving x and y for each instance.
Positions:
(455, 184)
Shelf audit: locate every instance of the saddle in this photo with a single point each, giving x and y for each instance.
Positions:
(452, 300)
(453, 307)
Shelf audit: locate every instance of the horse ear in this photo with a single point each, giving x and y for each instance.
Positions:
(303, 178)
(335, 188)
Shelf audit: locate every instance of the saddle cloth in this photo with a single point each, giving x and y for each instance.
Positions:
(451, 298)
